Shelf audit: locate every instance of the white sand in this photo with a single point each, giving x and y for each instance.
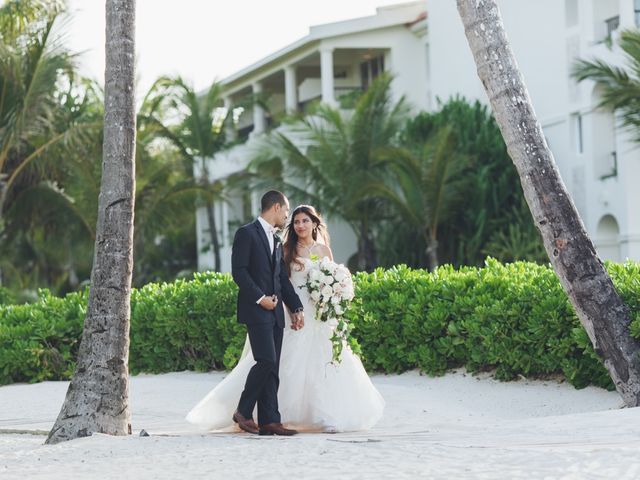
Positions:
(456, 426)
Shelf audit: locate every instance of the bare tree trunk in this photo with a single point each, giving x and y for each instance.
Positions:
(582, 275)
(98, 397)
(3, 196)
(366, 255)
(211, 217)
(432, 252)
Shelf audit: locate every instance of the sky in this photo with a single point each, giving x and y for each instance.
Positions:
(205, 40)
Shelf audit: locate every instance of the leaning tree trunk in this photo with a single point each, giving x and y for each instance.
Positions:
(98, 397)
(582, 275)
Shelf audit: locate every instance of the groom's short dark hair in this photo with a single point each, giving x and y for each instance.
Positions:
(270, 198)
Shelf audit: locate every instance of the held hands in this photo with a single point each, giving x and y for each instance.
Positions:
(297, 320)
(269, 303)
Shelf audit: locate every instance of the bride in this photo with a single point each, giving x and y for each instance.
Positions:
(314, 394)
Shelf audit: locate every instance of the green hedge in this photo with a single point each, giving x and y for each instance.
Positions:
(513, 318)
(6, 297)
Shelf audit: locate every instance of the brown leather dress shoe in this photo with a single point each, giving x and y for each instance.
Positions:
(276, 429)
(246, 424)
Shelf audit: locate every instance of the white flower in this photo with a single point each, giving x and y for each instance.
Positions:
(314, 275)
(326, 291)
(325, 263)
(315, 295)
(340, 275)
(332, 322)
(338, 309)
(336, 300)
(337, 288)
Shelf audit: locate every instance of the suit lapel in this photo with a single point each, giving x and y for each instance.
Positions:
(265, 240)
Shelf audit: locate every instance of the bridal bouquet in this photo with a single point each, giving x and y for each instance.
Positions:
(331, 290)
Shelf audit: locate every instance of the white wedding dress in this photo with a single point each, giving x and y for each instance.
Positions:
(314, 395)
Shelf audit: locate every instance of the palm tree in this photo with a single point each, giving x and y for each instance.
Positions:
(40, 115)
(31, 65)
(619, 86)
(494, 216)
(431, 186)
(195, 124)
(58, 201)
(339, 158)
(98, 397)
(582, 275)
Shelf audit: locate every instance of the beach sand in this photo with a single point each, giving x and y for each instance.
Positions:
(450, 427)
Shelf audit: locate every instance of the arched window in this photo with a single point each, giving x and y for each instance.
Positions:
(608, 238)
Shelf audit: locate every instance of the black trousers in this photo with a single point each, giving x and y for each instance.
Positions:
(262, 382)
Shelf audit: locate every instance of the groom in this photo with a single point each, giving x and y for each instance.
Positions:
(257, 267)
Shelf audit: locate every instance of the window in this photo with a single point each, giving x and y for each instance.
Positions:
(370, 69)
(636, 7)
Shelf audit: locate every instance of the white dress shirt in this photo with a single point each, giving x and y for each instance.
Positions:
(269, 230)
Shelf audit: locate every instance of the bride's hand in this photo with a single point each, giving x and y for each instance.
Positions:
(298, 320)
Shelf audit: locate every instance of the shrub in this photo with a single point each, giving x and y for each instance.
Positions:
(514, 319)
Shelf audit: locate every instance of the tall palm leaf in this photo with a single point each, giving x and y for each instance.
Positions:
(430, 186)
(620, 86)
(195, 124)
(31, 63)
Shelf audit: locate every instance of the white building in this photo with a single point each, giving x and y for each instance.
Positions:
(332, 60)
(598, 162)
(424, 46)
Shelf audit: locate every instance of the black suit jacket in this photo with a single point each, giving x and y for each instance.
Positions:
(258, 273)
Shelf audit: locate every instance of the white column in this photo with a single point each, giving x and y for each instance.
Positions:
(627, 15)
(259, 123)
(230, 128)
(255, 204)
(290, 89)
(326, 75)
(225, 224)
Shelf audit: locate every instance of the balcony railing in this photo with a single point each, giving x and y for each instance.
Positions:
(612, 25)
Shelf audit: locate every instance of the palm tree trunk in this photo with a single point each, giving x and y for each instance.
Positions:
(582, 275)
(98, 397)
(367, 255)
(432, 251)
(211, 218)
(3, 196)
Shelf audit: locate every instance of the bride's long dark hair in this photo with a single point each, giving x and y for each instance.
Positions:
(319, 234)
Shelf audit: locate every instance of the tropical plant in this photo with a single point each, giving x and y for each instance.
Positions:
(493, 207)
(340, 159)
(195, 125)
(619, 85)
(42, 119)
(431, 186)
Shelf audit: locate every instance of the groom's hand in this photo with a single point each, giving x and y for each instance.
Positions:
(298, 320)
(269, 303)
